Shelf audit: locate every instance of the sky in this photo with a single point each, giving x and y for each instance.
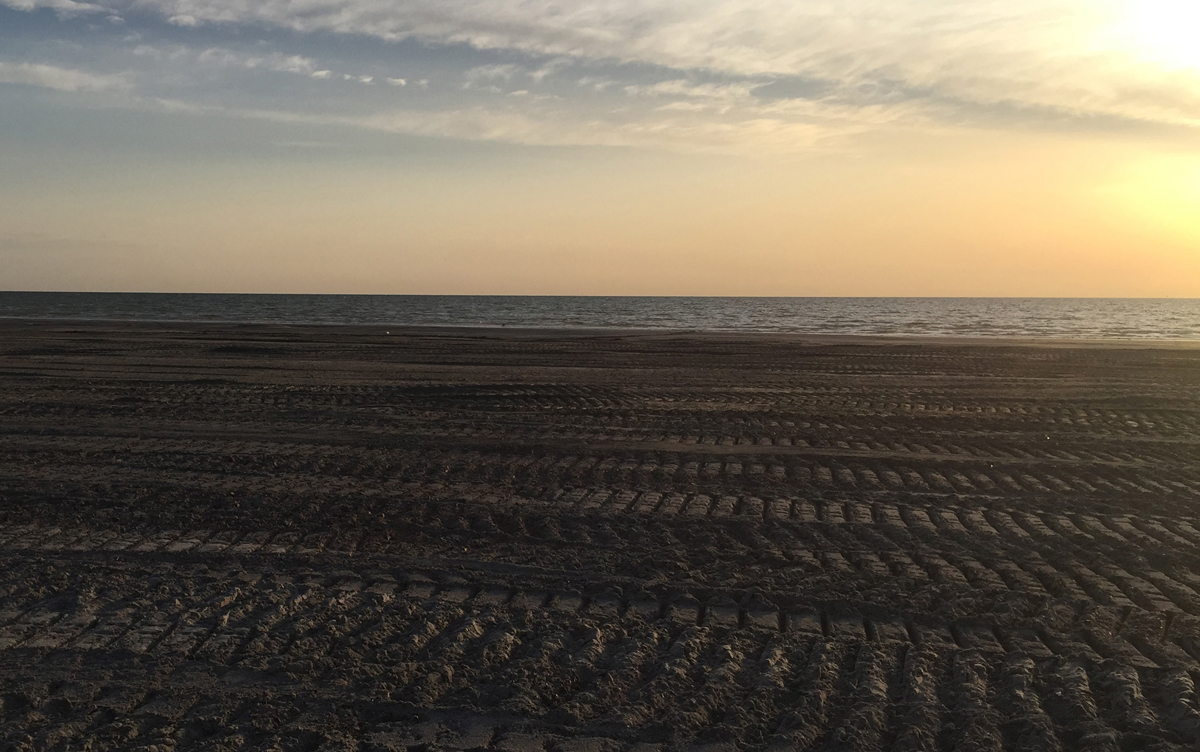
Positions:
(620, 147)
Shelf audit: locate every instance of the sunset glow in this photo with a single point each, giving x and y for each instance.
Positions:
(1163, 194)
(704, 146)
(1165, 31)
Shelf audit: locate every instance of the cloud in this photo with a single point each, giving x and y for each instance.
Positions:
(62, 7)
(223, 57)
(497, 72)
(1063, 54)
(59, 79)
(723, 75)
(765, 133)
(505, 72)
(275, 61)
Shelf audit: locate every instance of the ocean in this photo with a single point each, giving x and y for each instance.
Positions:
(1052, 318)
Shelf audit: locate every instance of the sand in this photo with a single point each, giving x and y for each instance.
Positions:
(302, 538)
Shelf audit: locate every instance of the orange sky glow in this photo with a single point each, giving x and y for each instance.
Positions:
(685, 148)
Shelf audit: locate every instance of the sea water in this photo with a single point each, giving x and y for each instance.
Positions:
(1069, 318)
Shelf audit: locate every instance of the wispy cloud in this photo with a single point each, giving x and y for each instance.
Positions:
(59, 79)
(223, 57)
(779, 132)
(1052, 52)
(62, 7)
(711, 71)
(278, 62)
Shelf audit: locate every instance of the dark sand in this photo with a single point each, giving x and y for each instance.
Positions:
(233, 538)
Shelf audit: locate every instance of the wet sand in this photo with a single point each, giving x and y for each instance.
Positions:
(302, 538)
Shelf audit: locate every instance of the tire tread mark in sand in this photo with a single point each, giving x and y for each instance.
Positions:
(705, 705)
(864, 723)
(1027, 727)
(919, 712)
(668, 680)
(975, 719)
(806, 720)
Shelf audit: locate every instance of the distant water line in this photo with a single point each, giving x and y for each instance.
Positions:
(1055, 318)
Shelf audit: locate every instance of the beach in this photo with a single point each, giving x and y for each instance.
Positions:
(366, 538)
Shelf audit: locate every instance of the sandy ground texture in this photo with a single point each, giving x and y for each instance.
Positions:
(335, 538)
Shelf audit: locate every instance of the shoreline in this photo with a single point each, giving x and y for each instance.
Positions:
(567, 332)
